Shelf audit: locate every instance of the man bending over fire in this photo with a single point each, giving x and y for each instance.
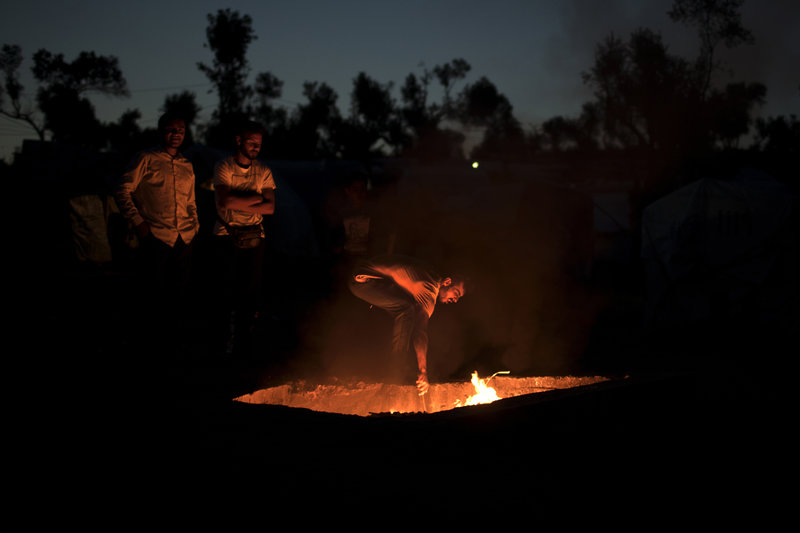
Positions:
(409, 290)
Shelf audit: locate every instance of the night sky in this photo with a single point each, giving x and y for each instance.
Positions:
(534, 51)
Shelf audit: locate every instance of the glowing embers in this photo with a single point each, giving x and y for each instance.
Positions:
(364, 399)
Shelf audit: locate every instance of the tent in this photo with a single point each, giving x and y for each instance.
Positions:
(716, 249)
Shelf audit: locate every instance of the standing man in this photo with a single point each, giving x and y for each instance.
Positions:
(244, 192)
(409, 290)
(156, 196)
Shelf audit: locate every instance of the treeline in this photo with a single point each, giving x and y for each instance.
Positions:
(646, 101)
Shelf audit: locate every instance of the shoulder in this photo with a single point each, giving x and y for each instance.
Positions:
(141, 158)
(261, 167)
(224, 164)
(264, 172)
(144, 155)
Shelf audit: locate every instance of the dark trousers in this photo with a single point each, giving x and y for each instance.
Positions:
(166, 270)
(164, 294)
(239, 279)
(410, 330)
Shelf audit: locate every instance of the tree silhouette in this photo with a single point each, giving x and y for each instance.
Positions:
(10, 61)
(125, 136)
(267, 89)
(183, 104)
(313, 125)
(228, 36)
(731, 111)
(424, 120)
(448, 74)
(643, 92)
(61, 97)
(649, 99)
(69, 115)
(717, 22)
(481, 104)
(778, 135)
(374, 126)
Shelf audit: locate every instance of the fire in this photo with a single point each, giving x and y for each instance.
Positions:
(483, 392)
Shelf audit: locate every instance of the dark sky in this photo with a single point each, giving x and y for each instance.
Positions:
(533, 50)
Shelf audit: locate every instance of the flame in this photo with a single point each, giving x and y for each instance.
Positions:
(483, 392)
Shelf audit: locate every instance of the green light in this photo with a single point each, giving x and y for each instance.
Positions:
(474, 164)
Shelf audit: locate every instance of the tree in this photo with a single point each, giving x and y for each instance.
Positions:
(644, 94)
(183, 104)
(69, 115)
(228, 36)
(424, 120)
(10, 61)
(267, 89)
(557, 133)
(732, 111)
(778, 135)
(61, 97)
(448, 74)
(313, 126)
(717, 22)
(417, 114)
(374, 123)
(480, 104)
(272, 117)
(125, 135)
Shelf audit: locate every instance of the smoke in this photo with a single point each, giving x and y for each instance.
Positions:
(528, 245)
(524, 244)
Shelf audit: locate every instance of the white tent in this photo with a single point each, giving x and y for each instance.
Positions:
(721, 248)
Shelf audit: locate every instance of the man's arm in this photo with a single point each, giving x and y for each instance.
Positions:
(420, 341)
(191, 205)
(263, 204)
(126, 186)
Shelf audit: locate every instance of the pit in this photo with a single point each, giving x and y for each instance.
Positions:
(365, 399)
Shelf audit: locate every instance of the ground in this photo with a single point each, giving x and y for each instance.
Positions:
(711, 434)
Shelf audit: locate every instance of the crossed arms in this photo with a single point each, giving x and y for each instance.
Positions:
(251, 202)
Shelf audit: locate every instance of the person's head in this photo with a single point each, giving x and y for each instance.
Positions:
(172, 130)
(356, 189)
(452, 289)
(248, 141)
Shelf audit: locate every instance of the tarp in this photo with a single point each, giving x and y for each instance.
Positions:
(717, 248)
(89, 229)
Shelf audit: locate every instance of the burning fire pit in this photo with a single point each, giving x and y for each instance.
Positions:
(364, 399)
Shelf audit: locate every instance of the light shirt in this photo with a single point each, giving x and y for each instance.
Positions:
(158, 188)
(251, 180)
(414, 276)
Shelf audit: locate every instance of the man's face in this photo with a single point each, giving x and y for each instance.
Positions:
(450, 292)
(249, 145)
(357, 192)
(174, 133)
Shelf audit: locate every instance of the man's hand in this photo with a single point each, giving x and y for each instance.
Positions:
(143, 230)
(422, 384)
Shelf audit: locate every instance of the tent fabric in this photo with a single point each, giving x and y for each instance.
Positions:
(719, 247)
(89, 230)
